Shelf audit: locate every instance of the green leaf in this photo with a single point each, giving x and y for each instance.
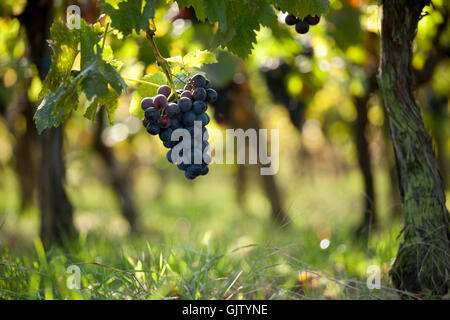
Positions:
(238, 21)
(129, 15)
(89, 42)
(56, 107)
(97, 76)
(144, 90)
(197, 58)
(64, 44)
(110, 101)
(301, 8)
(180, 80)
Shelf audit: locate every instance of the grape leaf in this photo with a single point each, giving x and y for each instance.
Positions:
(110, 101)
(64, 44)
(194, 59)
(301, 8)
(97, 76)
(145, 90)
(56, 107)
(238, 21)
(129, 15)
(97, 79)
(88, 42)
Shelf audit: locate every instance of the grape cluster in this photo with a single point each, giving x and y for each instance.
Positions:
(302, 26)
(166, 113)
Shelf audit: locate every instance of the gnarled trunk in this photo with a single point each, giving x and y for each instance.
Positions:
(56, 210)
(423, 259)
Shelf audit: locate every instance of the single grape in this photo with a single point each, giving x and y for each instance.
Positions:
(164, 121)
(205, 170)
(165, 134)
(165, 91)
(174, 124)
(199, 81)
(160, 101)
(204, 118)
(169, 144)
(199, 107)
(145, 122)
(302, 27)
(199, 94)
(185, 104)
(312, 20)
(195, 169)
(212, 95)
(189, 118)
(153, 129)
(291, 20)
(146, 103)
(208, 84)
(188, 175)
(172, 110)
(187, 94)
(152, 114)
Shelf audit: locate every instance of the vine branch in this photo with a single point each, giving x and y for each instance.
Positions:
(162, 62)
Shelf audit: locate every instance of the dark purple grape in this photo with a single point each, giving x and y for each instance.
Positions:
(164, 121)
(302, 27)
(187, 94)
(174, 124)
(200, 94)
(165, 91)
(208, 84)
(199, 107)
(172, 110)
(312, 20)
(205, 170)
(198, 81)
(291, 20)
(145, 122)
(153, 129)
(189, 118)
(160, 101)
(146, 103)
(165, 134)
(152, 114)
(169, 144)
(212, 95)
(185, 104)
(204, 118)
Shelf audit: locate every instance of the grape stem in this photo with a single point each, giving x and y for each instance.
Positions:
(104, 36)
(142, 81)
(162, 62)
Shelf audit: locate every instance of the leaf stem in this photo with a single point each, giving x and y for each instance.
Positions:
(142, 81)
(104, 36)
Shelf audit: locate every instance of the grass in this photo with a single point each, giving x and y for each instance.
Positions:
(197, 243)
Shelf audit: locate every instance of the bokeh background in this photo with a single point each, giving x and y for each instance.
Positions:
(144, 231)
